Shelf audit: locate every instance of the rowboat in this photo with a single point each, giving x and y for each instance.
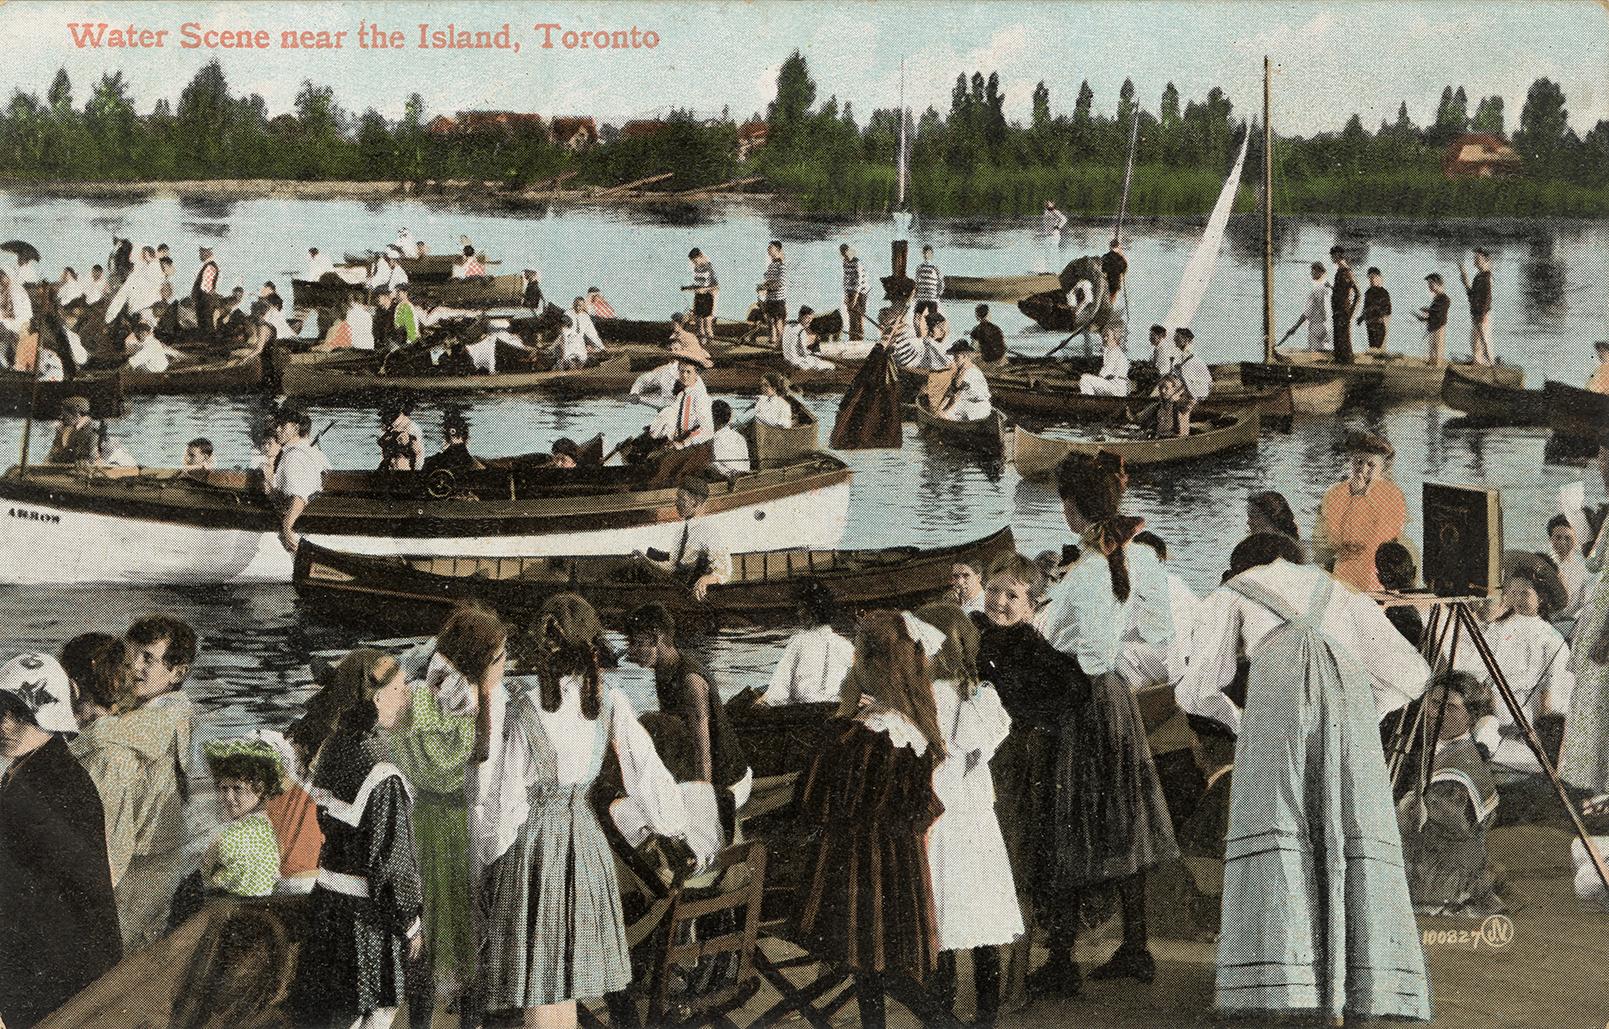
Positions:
(638, 330)
(103, 390)
(985, 436)
(774, 446)
(430, 268)
(1056, 398)
(222, 376)
(324, 381)
(741, 377)
(185, 526)
(1575, 412)
(1397, 377)
(1314, 389)
(1492, 403)
(1004, 288)
(762, 587)
(497, 291)
(1036, 455)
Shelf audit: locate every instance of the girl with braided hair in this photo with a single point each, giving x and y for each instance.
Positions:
(1111, 821)
(551, 930)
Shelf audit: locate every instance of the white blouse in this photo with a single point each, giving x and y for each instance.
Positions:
(812, 668)
(774, 411)
(1229, 622)
(1083, 618)
(497, 789)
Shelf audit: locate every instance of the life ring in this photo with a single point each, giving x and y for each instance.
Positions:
(440, 484)
(1086, 272)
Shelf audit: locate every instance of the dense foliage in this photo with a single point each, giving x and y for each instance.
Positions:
(969, 160)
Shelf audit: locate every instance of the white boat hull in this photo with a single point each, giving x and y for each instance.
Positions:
(45, 545)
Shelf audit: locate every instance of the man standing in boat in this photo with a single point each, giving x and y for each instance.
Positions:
(1435, 319)
(298, 472)
(1318, 301)
(1479, 291)
(204, 293)
(1376, 310)
(704, 288)
(929, 287)
(1343, 301)
(857, 285)
(1114, 266)
(773, 292)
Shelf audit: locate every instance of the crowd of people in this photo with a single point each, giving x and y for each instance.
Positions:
(988, 776)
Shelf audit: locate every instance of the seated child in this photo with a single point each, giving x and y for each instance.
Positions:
(244, 860)
(1444, 827)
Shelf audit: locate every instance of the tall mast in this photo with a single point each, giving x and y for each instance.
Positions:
(1128, 174)
(1268, 221)
(899, 198)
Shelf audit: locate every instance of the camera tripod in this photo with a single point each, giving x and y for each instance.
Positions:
(1452, 619)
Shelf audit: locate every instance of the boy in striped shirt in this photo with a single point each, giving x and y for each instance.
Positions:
(705, 286)
(857, 284)
(929, 285)
(774, 289)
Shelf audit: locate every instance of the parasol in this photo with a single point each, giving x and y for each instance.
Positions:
(23, 250)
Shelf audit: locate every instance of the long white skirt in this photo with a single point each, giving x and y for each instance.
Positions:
(1095, 386)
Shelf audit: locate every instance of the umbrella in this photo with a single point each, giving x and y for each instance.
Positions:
(24, 251)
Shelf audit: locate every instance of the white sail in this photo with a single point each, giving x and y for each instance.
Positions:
(1198, 272)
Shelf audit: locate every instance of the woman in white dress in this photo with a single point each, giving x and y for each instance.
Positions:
(773, 407)
(552, 929)
(974, 894)
(815, 661)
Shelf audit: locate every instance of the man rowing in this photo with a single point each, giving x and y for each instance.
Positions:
(967, 398)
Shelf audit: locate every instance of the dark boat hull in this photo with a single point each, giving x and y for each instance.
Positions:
(1492, 403)
(422, 591)
(1575, 412)
(103, 390)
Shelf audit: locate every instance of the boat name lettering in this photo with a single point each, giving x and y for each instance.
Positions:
(35, 516)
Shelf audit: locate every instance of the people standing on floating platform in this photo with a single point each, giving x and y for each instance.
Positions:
(1343, 301)
(1479, 291)
(816, 658)
(1316, 313)
(1376, 315)
(705, 287)
(367, 906)
(799, 346)
(1359, 513)
(857, 287)
(1111, 822)
(773, 292)
(58, 919)
(967, 398)
(1113, 378)
(402, 447)
(988, 338)
(1114, 266)
(974, 896)
(1146, 662)
(298, 471)
(1185, 383)
(929, 286)
(1434, 318)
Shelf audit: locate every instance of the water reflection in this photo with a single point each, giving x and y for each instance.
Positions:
(1542, 281)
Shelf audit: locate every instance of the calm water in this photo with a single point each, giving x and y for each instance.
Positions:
(1551, 303)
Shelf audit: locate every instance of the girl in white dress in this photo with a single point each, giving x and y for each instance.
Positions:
(974, 894)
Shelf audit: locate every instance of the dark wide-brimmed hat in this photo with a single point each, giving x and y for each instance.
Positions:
(1543, 576)
(963, 346)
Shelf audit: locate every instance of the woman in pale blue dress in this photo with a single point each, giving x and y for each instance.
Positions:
(551, 928)
(1111, 820)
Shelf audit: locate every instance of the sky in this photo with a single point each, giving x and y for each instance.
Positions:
(1331, 59)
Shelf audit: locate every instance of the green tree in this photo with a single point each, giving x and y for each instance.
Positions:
(1543, 124)
(786, 115)
(1040, 117)
(60, 97)
(1488, 116)
(1125, 103)
(202, 118)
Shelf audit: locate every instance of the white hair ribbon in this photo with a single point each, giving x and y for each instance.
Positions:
(454, 693)
(929, 638)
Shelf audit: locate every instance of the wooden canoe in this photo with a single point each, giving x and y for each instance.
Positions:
(1036, 455)
(497, 291)
(774, 447)
(1325, 388)
(1575, 412)
(1004, 288)
(103, 390)
(638, 330)
(985, 437)
(741, 377)
(1492, 403)
(323, 381)
(227, 376)
(1397, 377)
(762, 587)
(1056, 398)
(429, 268)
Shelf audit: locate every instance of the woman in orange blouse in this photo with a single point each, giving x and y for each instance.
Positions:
(1360, 513)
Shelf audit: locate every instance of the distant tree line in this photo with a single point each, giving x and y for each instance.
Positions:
(971, 159)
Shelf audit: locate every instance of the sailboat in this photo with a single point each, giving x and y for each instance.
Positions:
(1379, 375)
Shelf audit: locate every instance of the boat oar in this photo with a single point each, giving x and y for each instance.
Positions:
(321, 432)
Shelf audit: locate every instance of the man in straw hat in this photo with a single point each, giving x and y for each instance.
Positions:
(1359, 513)
(966, 399)
(688, 419)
